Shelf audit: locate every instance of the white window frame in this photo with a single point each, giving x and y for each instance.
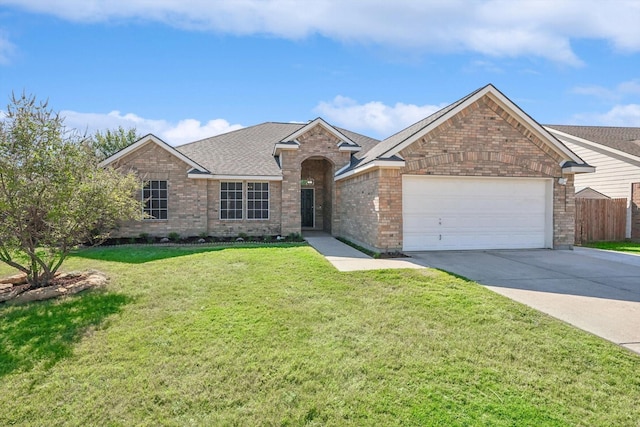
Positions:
(267, 200)
(227, 200)
(245, 200)
(147, 199)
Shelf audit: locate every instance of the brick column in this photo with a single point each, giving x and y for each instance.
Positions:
(291, 170)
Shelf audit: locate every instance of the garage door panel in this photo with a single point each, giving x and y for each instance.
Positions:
(441, 213)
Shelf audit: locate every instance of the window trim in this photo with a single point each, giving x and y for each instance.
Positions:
(146, 209)
(242, 204)
(245, 200)
(268, 200)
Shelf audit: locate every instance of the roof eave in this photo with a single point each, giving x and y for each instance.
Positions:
(285, 146)
(226, 177)
(395, 163)
(575, 169)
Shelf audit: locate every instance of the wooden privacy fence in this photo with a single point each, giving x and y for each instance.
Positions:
(600, 219)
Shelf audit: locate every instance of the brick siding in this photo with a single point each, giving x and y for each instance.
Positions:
(316, 144)
(187, 198)
(481, 140)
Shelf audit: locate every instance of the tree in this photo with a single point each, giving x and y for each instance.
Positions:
(53, 194)
(112, 141)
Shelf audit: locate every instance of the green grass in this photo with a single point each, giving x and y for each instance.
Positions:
(276, 336)
(624, 246)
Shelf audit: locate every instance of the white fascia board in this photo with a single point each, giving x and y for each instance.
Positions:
(591, 144)
(219, 177)
(284, 146)
(319, 121)
(381, 164)
(160, 143)
(352, 148)
(579, 169)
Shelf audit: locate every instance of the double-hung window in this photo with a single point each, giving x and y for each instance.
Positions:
(258, 200)
(155, 199)
(234, 194)
(231, 200)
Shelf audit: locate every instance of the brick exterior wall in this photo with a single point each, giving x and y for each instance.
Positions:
(481, 140)
(187, 198)
(316, 144)
(252, 227)
(194, 204)
(370, 209)
(635, 210)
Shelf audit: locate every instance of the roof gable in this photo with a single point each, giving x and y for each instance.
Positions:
(393, 145)
(151, 139)
(344, 140)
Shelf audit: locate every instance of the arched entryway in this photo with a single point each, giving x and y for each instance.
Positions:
(316, 194)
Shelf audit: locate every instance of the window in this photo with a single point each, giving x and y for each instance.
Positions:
(231, 200)
(258, 200)
(154, 196)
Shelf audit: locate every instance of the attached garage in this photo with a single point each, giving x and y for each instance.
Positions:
(458, 213)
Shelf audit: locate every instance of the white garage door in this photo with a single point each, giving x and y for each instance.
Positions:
(444, 213)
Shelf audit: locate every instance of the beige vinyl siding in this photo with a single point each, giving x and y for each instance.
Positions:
(613, 176)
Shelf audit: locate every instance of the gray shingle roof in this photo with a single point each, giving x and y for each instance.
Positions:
(625, 139)
(249, 151)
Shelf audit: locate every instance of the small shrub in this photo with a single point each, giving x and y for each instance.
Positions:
(203, 235)
(146, 237)
(267, 238)
(243, 236)
(173, 236)
(294, 237)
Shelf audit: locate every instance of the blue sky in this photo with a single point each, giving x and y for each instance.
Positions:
(189, 69)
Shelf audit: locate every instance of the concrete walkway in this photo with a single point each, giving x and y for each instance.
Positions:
(345, 258)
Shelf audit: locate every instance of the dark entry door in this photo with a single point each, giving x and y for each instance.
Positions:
(306, 207)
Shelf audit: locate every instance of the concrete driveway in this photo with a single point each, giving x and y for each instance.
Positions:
(597, 291)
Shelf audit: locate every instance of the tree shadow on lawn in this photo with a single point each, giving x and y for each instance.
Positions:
(132, 254)
(47, 330)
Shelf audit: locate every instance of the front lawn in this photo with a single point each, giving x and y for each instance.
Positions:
(276, 336)
(624, 246)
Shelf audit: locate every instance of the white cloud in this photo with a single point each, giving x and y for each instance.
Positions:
(622, 90)
(373, 116)
(184, 131)
(627, 115)
(7, 49)
(491, 27)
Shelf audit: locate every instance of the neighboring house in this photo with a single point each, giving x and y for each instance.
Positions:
(478, 174)
(615, 152)
(590, 193)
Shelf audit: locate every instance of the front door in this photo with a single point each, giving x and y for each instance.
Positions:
(306, 207)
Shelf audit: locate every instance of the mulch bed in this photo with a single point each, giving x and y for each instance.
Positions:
(14, 289)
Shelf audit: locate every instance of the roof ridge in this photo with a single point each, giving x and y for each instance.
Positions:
(245, 128)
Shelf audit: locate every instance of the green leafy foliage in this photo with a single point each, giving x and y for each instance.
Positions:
(53, 194)
(110, 142)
